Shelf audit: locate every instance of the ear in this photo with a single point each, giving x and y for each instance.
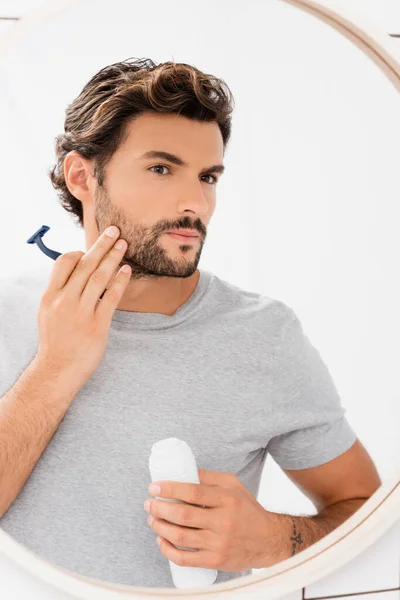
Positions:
(77, 176)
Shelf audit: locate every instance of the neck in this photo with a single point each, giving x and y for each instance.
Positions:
(163, 296)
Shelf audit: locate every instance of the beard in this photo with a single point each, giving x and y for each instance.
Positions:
(149, 258)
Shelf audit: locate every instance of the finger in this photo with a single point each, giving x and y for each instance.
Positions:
(222, 478)
(186, 558)
(185, 515)
(194, 493)
(225, 479)
(109, 302)
(89, 263)
(181, 536)
(101, 277)
(62, 269)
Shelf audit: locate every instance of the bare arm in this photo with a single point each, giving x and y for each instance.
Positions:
(30, 413)
(294, 534)
(337, 488)
(73, 332)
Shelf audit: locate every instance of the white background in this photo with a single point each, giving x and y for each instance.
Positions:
(308, 209)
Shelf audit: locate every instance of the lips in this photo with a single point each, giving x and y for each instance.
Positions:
(184, 234)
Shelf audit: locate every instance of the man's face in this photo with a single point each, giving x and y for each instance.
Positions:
(145, 200)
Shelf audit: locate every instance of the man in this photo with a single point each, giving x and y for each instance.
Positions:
(188, 356)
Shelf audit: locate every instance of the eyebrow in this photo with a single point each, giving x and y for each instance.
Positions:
(178, 161)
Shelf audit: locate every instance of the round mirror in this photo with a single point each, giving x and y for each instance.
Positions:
(266, 342)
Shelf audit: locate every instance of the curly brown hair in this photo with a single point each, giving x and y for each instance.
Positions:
(96, 121)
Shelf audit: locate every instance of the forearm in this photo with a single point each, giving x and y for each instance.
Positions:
(30, 413)
(294, 533)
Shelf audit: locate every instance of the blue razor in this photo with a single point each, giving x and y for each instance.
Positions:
(36, 238)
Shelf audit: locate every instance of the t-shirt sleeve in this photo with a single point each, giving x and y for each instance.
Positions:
(312, 427)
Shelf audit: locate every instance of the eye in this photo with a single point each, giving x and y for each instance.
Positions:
(158, 166)
(213, 176)
(215, 179)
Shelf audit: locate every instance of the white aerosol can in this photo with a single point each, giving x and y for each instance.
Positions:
(173, 460)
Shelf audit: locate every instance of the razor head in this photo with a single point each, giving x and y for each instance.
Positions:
(40, 233)
(36, 238)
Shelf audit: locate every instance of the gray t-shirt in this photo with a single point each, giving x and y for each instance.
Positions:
(231, 373)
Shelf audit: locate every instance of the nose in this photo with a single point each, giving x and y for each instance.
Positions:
(193, 198)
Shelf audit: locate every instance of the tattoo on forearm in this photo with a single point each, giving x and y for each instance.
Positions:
(296, 539)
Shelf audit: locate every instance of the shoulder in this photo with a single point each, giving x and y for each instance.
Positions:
(272, 317)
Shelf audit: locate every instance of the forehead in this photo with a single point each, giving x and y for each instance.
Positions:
(174, 133)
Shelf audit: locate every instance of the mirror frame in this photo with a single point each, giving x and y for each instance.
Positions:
(367, 524)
